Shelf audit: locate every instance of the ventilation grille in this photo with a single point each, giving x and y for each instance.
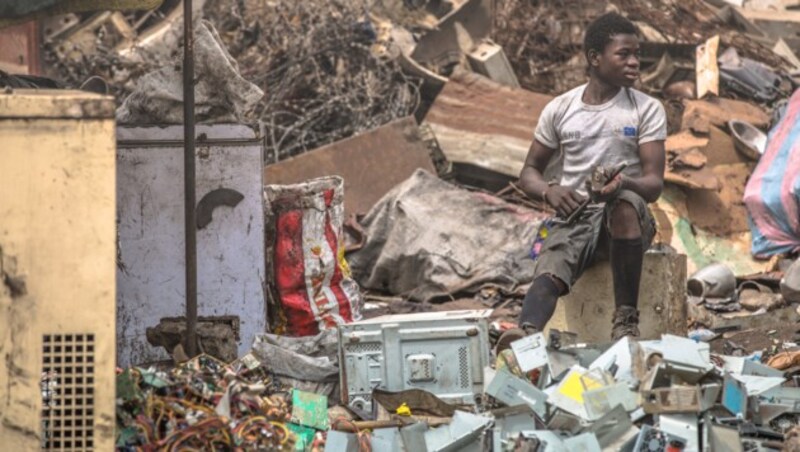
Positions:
(463, 365)
(68, 392)
(366, 347)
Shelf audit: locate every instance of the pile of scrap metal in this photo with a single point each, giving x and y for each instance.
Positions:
(322, 65)
(667, 394)
(320, 62)
(716, 287)
(117, 46)
(330, 69)
(718, 301)
(543, 40)
(554, 394)
(429, 382)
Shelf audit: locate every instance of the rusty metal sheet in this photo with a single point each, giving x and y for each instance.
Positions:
(371, 163)
(486, 124)
(699, 179)
(719, 111)
(685, 139)
(702, 247)
(456, 32)
(722, 212)
(721, 149)
(19, 49)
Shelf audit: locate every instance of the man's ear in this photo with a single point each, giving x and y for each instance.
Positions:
(593, 58)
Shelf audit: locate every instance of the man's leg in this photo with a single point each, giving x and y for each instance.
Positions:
(537, 309)
(540, 301)
(627, 254)
(565, 254)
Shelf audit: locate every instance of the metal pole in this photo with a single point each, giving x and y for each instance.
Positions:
(189, 180)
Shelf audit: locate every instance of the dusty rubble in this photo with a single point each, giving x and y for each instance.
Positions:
(426, 108)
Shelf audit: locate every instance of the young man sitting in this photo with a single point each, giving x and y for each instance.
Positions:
(603, 123)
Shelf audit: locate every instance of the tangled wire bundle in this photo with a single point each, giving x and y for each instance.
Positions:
(314, 61)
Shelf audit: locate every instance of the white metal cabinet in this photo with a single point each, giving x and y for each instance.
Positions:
(230, 249)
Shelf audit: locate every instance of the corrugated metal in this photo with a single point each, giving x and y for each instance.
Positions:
(480, 122)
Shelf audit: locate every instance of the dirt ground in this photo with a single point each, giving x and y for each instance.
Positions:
(756, 340)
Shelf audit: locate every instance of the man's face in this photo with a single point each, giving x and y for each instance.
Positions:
(618, 64)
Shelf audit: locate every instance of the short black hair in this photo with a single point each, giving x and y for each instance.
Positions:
(603, 29)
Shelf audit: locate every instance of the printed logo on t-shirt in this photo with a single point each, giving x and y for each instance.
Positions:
(572, 135)
(629, 131)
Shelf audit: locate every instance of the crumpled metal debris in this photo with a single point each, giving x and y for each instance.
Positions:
(685, 388)
(317, 61)
(543, 40)
(713, 283)
(309, 363)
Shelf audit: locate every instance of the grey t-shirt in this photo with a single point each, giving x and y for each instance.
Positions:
(607, 134)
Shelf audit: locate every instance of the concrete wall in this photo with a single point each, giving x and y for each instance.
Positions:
(588, 310)
(57, 232)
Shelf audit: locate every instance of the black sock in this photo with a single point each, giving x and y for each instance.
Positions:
(626, 267)
(540, 302)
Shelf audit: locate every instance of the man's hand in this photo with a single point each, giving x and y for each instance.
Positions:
(609, 191)
(563, 200)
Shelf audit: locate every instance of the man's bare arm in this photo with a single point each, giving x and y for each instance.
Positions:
(531, 181)
(650, 184)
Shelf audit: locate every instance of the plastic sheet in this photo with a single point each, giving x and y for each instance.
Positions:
(772, 195)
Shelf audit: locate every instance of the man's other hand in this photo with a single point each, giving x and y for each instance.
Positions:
(563, 200)
(609, 191)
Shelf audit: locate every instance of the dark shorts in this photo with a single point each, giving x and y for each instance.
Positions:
(568, 250)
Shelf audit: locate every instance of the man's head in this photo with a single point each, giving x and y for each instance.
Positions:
(611, 46)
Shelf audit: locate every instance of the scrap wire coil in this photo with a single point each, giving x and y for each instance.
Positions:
(201, 405)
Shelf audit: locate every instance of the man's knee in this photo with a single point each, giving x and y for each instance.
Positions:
(560, 285)
(624, 221)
